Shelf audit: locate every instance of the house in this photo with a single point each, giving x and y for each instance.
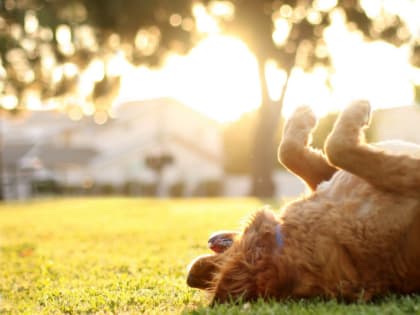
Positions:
(15, 184)
(32, 151)
(153, 128)
(115, 154)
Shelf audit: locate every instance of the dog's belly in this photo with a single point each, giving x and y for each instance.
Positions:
(356, 203)
(374, 228)
(398, 146)
(358, 234)
(368, 201)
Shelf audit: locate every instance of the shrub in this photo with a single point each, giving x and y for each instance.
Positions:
(177, 189)
(209, 188)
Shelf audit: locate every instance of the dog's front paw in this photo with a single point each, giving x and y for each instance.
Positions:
(303, 118)
(348, 131)
(358, 113)
(297, 131)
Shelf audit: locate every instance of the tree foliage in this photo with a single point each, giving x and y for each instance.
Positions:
(49, 48)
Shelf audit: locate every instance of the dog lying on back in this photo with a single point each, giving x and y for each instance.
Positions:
(354, 237)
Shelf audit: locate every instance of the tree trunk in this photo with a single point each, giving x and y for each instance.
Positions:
(264, 156)
(2, 196)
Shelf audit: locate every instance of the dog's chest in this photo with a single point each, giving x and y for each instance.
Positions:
(342, 186)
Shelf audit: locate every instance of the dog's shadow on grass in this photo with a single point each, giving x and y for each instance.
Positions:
(392, 304)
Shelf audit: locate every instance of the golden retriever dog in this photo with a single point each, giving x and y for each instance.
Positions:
(355, 236)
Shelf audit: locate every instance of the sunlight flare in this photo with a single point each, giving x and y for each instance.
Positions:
(219, 77)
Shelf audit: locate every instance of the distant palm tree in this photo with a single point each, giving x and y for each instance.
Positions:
(158, 162)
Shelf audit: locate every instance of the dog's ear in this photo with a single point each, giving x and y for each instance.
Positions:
(234, 282)
(259, 219)
(270, 277)
(201, 271)
(259, 238)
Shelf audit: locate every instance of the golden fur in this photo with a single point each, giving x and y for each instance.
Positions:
(355, 236)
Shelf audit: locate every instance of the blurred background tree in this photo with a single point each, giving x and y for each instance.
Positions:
(64, 53)
(236, 145)
(417, 91)
(291, 34)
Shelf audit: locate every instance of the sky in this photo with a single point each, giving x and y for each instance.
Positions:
(219, 77)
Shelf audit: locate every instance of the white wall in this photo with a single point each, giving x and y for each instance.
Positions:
(144, 128)
(237, 185)
(402, 123)
(287, 185)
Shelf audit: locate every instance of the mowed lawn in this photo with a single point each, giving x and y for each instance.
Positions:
(128, 256)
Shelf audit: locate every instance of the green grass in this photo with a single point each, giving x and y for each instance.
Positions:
(128, 256)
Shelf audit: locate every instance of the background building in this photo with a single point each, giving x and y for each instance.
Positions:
(397, 123)
(48, 146)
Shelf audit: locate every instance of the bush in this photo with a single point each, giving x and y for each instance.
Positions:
(105, 189)
(177, 189)
(45, 187)
(131, 188)
(209, 188)
(148, 189)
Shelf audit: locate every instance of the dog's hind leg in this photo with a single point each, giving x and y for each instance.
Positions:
(346, 149)
(296, 154)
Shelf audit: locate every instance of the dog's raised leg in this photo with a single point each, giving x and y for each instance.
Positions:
(346, 149)
(296, 154)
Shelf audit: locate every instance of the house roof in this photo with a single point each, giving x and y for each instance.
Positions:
(54, 156)
(11, 153)
(49, 156)
(142, 106)
(192, 146)
(134, 112)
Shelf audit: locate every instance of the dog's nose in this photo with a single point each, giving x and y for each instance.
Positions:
(192, 281)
